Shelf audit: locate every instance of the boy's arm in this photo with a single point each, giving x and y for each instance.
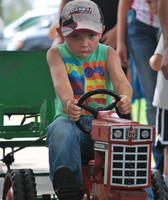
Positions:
(119, 80)
(163, 15)
(59, 75)
(62, 84)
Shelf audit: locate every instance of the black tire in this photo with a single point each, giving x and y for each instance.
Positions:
(14, 186)
(166, 193)
(157, 184)
(29, 184)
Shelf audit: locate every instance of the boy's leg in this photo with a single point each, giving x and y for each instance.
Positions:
(63, 141)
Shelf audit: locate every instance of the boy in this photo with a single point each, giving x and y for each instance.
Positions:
(81, 27)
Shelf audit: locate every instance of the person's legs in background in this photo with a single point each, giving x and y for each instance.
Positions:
(142, 42)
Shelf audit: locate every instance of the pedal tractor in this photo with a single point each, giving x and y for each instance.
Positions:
(122, 154)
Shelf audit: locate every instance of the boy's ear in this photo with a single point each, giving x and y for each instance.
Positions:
(58, 29)
(103, 28)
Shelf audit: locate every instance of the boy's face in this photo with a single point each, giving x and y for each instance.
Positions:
(82, 42)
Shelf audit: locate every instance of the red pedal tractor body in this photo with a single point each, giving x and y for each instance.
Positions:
(122, 159)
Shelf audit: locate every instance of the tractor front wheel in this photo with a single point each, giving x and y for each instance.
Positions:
(157, 184)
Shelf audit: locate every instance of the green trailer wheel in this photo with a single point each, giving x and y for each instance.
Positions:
(29, 184)
(13, 186)
(19, 184)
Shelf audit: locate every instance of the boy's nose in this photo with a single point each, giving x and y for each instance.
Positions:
(84, 41)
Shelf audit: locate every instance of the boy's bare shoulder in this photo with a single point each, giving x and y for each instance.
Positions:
(111, 49)
(53, 52)
(112, 52)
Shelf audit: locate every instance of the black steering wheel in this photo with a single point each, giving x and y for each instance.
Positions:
(94, 111)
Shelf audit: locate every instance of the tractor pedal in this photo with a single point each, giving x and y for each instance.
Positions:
(65, 185)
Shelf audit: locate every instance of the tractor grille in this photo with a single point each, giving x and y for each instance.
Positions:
(130, 165)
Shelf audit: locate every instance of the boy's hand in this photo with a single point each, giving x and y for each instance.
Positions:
(124, 105)
(73, 110)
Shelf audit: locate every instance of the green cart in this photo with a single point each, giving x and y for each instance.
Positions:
(26, 90)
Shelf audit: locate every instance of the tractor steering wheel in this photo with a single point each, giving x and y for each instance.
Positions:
(92, 110)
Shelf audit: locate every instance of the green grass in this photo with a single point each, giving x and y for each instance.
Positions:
(139, 111)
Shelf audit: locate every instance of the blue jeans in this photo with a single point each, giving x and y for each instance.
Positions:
(64, 141)
(142, 40)
(150, 193)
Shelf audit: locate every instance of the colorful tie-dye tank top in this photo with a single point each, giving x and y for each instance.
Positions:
(86, 74)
